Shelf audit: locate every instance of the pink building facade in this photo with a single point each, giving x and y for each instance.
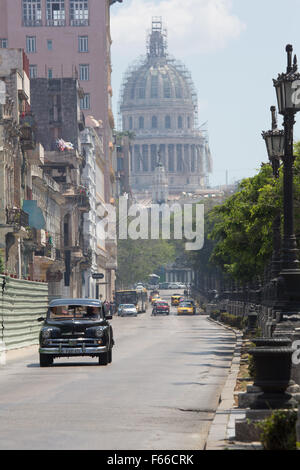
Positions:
(63, 38)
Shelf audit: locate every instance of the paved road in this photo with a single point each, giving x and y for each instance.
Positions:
(160, 392)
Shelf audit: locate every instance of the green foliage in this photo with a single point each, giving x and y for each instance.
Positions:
(139, 258)
(214, 315)
(279, 431)
(242, 226)
(1, 265)
(251, 366)
(231, 320)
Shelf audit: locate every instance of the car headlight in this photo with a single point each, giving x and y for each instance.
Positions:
(46, 334)
(99, 333)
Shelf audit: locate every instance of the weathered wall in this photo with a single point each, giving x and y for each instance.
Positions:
(21, 303)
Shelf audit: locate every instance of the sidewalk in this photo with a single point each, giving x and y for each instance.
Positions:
(222, 431)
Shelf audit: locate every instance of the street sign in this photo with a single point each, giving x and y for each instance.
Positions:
(97, 275)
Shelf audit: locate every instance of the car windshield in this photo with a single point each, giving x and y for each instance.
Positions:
(128, 306)
(163, 304)
(67, 312)
(185, 304)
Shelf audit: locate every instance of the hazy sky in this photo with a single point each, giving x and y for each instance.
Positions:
(233, 49)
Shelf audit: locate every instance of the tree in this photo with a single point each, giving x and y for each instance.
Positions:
(242, 226)
(139, 258)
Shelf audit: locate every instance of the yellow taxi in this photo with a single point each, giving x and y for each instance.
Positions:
(175, 299)
(185, 308)
(155, 298)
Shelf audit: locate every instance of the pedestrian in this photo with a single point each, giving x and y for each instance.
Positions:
(106, 306)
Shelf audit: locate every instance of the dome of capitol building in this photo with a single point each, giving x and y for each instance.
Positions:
(158, 104)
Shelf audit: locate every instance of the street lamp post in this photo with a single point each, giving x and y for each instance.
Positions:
(274, 140)
(287, 90)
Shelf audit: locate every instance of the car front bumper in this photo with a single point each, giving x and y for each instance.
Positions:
(78, 350)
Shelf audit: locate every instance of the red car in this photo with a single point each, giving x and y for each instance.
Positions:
(161, 307)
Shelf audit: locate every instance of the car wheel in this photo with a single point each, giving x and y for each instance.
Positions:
(109, 356)
(46, 360)
(103, 359)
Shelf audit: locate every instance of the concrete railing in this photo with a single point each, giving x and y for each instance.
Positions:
(21, 304)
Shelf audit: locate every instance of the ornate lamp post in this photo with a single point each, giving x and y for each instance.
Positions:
(274, 140)
(288, 97)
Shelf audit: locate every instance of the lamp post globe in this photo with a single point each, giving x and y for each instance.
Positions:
(287, 86)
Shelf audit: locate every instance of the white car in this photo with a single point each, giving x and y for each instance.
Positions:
(128, 310)
(120, 309)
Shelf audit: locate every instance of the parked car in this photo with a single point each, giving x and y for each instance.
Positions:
(76, 327)
(161, 307)
(164, 285)
(181, 285)
(185, 307)
(128, 310)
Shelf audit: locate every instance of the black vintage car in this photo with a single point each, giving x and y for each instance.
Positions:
(76, 327)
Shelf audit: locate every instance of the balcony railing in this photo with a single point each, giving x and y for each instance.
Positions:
(55, 22)
(28, 22)
(17, 217)
(47, 251)
(79, 22)
(27, 137)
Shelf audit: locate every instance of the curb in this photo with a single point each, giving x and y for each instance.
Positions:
(223, 425)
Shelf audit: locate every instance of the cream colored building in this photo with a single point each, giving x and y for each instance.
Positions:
(158, 104)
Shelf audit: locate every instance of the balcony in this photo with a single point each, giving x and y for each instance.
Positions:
(57, 159)
(17, 217)
(27, 137)
(79, 22)
(56, 22)
(29, 22)
(46, 252)
(77, 195)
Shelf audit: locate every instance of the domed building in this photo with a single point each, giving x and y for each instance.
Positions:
(158, 104)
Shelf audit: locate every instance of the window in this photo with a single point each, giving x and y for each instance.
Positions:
(84, 72)
(188, 122)
(141, 122)
(79, 12)
(85, 102)
(32, 71)
(55, 108)
(141, 88)
(32, 13)
(130, 123)
(50, 73)
(154, 86)
(56, 15)
(167, 122)
(83, 44)
(167, 87)
(3, 43)
(30, 44)
(179, 122)
(154, 122)
(49, 44)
